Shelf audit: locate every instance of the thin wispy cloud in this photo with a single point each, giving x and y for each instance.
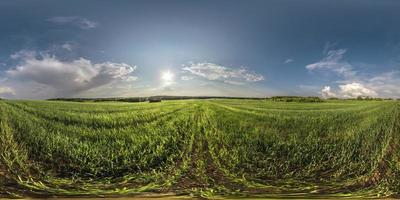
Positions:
(386, 84)
(350, 83)
(327, 47)
(77, 21)
(23, 54)
(234, 82)
(187, 78)
(215, 72)
(289, 60)
(333, 61)
(67, 46)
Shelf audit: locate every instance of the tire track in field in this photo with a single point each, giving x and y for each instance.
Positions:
(215, 170)
(13, 161)
(262, 112)
(229, 184)
(155, 121)
(116, 110)
(189, 178)
(75, 122)
(203, 173)
(382, 170)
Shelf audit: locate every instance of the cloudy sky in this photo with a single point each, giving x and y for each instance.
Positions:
(74, 48)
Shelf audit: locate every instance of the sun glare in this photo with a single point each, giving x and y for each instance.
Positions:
(167, 76)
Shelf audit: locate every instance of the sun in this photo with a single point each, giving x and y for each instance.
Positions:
(167, 76)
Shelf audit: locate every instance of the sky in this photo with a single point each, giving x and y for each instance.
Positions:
(255, 48)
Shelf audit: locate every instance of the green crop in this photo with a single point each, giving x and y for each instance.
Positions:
(203, 148)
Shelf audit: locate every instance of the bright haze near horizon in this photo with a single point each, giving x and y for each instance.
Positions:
(74, 48)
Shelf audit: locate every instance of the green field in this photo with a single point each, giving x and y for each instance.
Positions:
(201, 148)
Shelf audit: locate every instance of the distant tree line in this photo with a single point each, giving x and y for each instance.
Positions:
(151, 98)
(364, 98)
(310, 99)
(296, 99)
(130, 99)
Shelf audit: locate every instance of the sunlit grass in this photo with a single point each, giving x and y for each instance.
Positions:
(207, 148)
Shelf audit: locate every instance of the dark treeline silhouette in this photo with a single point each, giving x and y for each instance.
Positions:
(296, 99)
(151, 98)
(364, 98)
(310, 99)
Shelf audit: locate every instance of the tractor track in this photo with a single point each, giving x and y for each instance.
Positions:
(202, 172)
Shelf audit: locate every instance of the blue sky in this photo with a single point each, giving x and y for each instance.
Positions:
(260, 48)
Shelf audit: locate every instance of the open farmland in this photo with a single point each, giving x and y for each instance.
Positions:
(207, 148)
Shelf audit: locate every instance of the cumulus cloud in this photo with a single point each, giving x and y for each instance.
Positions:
(333, 61)
(387, 84)
(6, 91)
(67, 77)
(382, 85)
(80, 22)
(349, 90)
(354, 84)
(327, 93)
(211, 71)
(352, 90)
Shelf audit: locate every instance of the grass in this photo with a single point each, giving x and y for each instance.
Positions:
(200, 148)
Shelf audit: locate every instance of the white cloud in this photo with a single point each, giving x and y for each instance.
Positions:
(328, 46)
(233, 82)
(326, 92)
(355, 84)
(67, 77)
(211, 71)
(80, 22)
(67, 46)
(387, 84)
(186, 78)
(289, 60)
(6, 91)
(131, 78)
(22, 54)
(349, 90)
(333, 61)
(354, 89)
